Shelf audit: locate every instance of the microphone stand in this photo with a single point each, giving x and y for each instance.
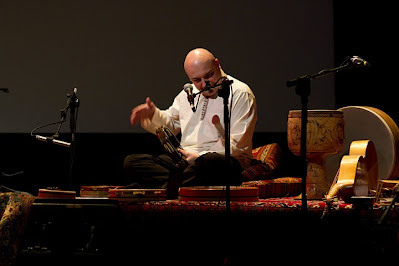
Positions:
(73, 105)
(224, 92)
(302, 88)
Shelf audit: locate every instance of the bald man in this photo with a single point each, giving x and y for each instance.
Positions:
(202, 141)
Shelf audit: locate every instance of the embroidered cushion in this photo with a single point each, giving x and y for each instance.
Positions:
(265, 163)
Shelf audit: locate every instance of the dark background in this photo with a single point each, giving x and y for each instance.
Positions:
(356, 28)
(116, 53)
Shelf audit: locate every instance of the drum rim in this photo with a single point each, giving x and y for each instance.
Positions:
(217, 191)
(215, 188)
(137, 189)
(56, 191)
(97, 188)
(318, 112)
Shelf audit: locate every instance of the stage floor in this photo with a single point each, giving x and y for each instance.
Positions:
(107, 231)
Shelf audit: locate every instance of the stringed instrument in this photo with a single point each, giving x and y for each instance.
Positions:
(358, 172)
(171, 145)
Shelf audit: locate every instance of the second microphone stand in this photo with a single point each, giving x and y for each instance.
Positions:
(302, 88)
(73, 103)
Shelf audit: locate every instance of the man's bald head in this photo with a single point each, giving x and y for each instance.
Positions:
(201, 66)
(197, 58)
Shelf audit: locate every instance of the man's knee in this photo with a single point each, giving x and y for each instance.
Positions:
(212, 169)
(132, 159)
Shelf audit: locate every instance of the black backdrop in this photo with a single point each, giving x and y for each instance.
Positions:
(368, 30)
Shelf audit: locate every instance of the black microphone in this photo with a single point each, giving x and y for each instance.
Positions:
(188, 88)
(356, 60)
(52, 140)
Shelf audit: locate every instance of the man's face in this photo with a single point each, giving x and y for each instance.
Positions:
(200, 74)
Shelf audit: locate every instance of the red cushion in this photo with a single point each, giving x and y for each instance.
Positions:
(265, 163)
(269, 154)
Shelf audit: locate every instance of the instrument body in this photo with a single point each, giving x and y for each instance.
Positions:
(358, 172)
(325, 136)
(367, 150)
(170, 144)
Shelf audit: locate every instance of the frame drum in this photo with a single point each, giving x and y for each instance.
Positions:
(368, 123)
(147, 194)
(95, 191)
(218, 193)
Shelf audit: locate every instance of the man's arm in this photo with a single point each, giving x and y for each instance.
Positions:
(142, 111)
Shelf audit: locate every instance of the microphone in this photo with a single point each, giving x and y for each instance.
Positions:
(73, 94)
(356, 60)
(188, 88)
(55, 141)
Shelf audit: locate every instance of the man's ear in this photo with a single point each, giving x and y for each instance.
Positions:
(217, 62)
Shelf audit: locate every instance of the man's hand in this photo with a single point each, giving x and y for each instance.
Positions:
(190, 156)
(142, 111)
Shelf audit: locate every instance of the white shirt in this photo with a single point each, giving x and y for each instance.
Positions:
(199, 134)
